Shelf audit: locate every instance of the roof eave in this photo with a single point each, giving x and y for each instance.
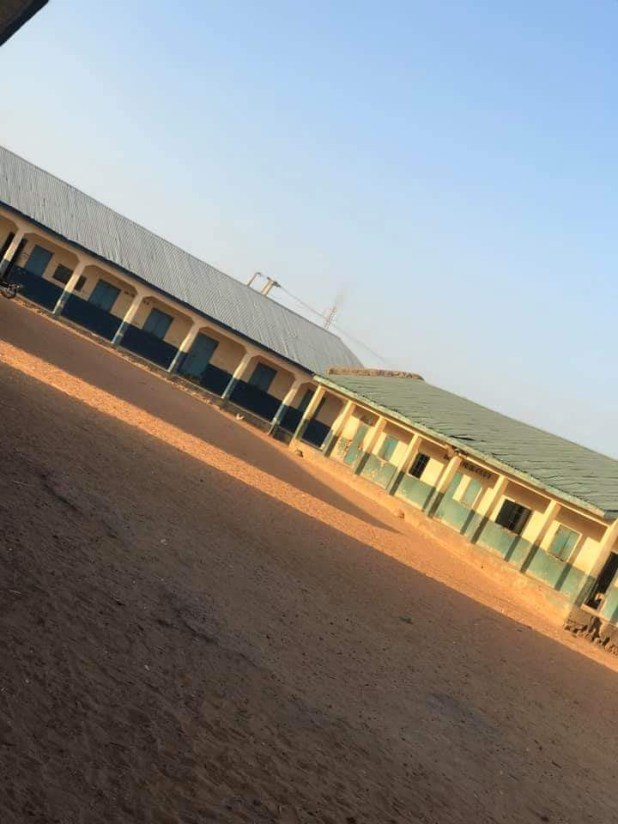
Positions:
(110, 263)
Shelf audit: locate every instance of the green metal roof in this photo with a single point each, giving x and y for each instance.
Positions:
(566, 469)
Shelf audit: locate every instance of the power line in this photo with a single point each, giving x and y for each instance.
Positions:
(339, 328)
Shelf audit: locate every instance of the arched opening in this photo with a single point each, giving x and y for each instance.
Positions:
(211, 360)
(99, 301)
(42, 268)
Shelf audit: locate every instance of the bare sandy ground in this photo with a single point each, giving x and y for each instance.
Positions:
(195, 626)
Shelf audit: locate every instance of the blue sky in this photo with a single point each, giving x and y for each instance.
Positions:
(451, 167)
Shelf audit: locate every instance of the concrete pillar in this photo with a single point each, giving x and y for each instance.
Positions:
(70, 287)
(338, 426)
(410, 453)
(487, 507)
(312, 408)
(285, 403)
(448, 473)
(551, 511)
(10, 252)
(378, 428)
(239, 374)
(128, 318)
(184, 347)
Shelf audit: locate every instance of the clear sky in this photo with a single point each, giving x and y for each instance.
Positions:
(450, 166)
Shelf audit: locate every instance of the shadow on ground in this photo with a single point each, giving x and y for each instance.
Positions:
(99, 366)
(180, 647)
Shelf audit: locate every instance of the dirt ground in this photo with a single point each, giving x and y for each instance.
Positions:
(196, 626)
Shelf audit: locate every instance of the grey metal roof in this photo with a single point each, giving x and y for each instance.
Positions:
(81, 220)
(567, 469)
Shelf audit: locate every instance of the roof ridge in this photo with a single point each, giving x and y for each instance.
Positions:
(524, 423)
(168, 242)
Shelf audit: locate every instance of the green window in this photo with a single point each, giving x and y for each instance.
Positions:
(563, 543)
(387, 450)
(157, 323)
(471, 493)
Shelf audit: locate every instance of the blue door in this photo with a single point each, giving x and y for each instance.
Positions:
(104, 296)
(38, 261)
(262, 377)
(198, 358)
(157, 323)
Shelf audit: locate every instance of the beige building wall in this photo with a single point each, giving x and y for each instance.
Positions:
(179, 327)
(535, 502)
(329, 410)
(359, 416)
(6, 228)
(438, 459)
(588, 546)
(473, 473)
(228, 353)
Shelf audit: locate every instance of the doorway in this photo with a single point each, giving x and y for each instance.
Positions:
(198, 358)
(604, 582)
(355, 448)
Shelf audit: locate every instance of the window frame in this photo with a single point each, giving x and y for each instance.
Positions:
(562, 530)
(473, 483)
(60, 279)
(388, 447)
(513, 516)
(419, 465)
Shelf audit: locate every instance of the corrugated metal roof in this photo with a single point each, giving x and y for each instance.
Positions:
(565, 468)
(81, 220)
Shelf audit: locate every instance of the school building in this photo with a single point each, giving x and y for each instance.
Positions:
(91, 266)
(543, 505)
